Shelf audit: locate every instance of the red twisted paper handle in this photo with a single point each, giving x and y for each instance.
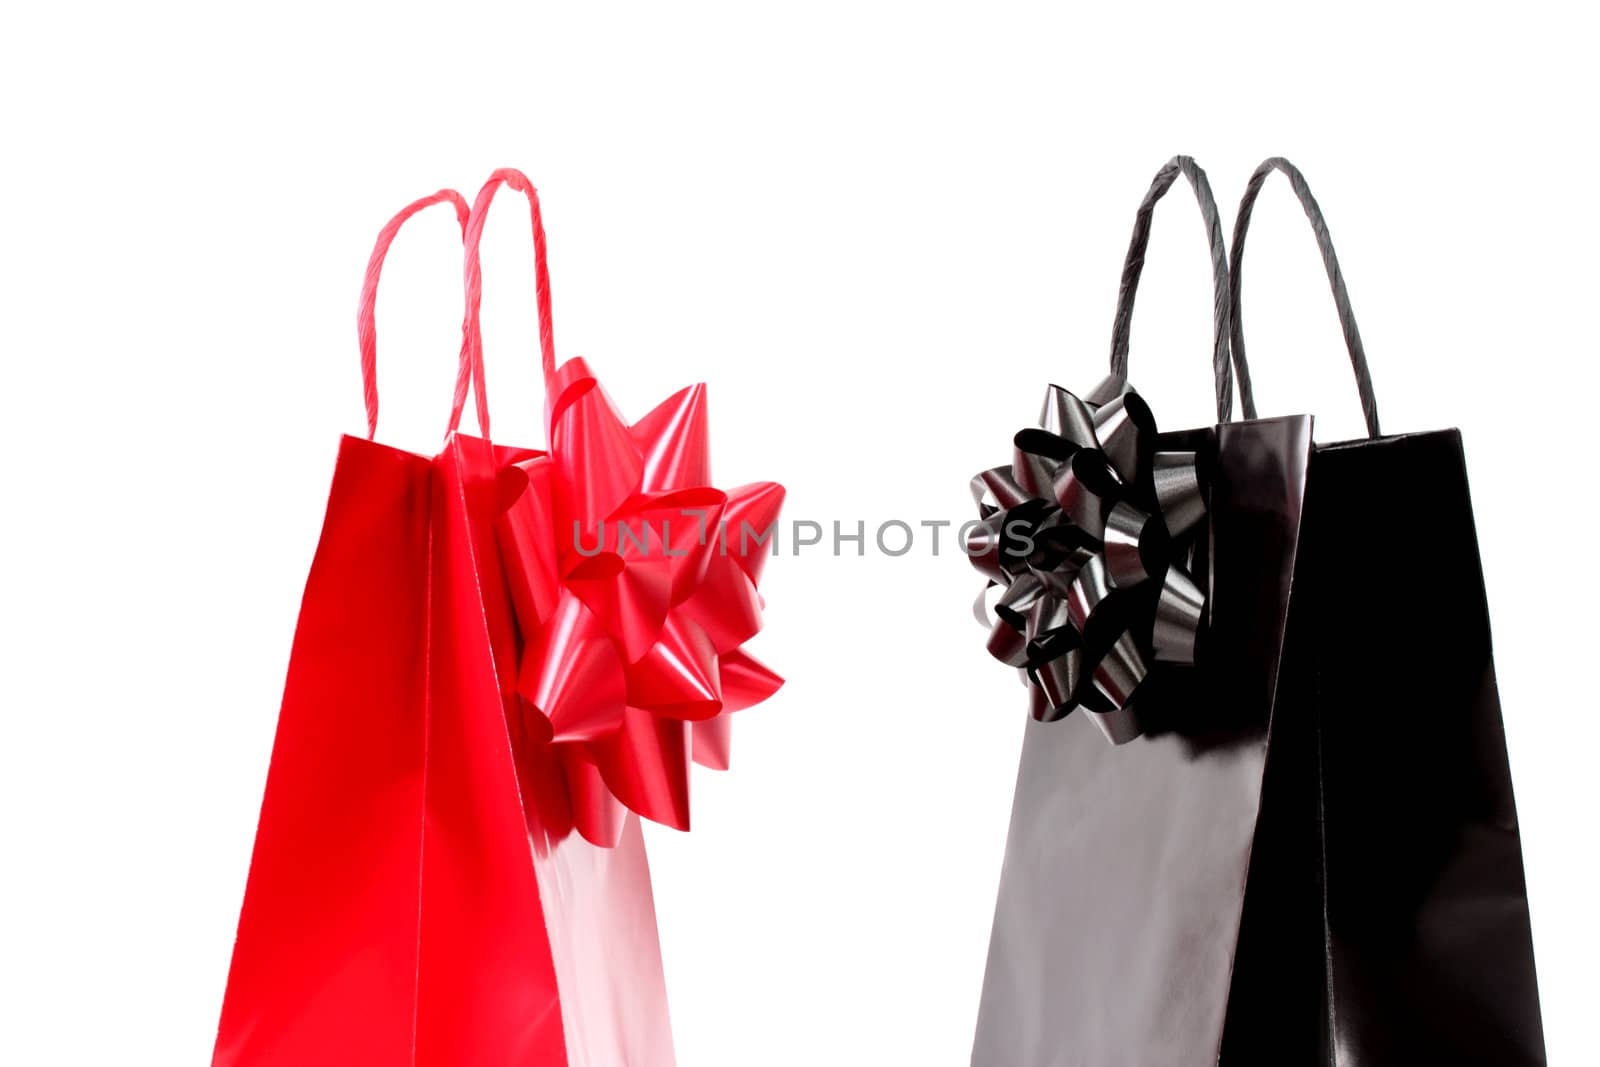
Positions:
(366, 313)
(472, 353)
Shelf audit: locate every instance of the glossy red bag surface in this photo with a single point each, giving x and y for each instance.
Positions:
(406, 904)
(324, 966)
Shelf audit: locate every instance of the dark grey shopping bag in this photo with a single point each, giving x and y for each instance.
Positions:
(1310, 854)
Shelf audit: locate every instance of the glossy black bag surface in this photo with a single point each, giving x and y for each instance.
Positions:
(1388, 755)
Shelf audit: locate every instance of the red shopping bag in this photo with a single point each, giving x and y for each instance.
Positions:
(449, 867)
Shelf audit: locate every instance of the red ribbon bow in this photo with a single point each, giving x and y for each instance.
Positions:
(633, 582)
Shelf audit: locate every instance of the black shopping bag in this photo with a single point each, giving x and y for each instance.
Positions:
(1395, 766)
(1309, 853)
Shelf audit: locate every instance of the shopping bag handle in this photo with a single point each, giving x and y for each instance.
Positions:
(472, 353)
(1330, 261)
(1133, 267)
(367, 310)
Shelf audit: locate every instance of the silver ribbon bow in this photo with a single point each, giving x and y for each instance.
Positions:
(1089, 539)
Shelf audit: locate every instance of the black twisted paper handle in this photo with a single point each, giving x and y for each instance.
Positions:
(1222, 312)
(1330, 261)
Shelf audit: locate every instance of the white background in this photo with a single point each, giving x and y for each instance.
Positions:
(877, 232)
